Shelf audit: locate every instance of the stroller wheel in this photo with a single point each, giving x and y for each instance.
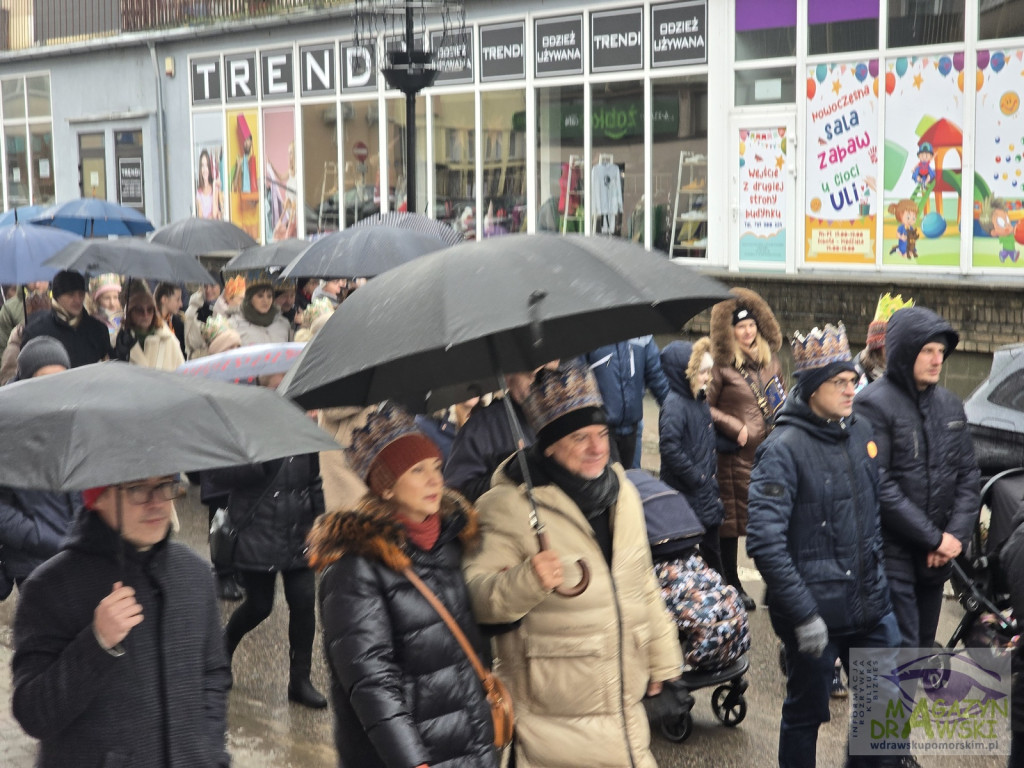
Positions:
(677, 729)
(937, 676)
(729, 705)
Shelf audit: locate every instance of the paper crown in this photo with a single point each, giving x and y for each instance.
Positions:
(234, 288)
(215, 325)
(383, 426)
(887, 305)
(101, 284)
(316, 309)
(820, 347)
(553, 394)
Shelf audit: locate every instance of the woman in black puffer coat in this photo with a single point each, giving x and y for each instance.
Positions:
(404, 693)
(273, 506)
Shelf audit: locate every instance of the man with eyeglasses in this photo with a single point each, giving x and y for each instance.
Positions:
(814, 534)
(119, 655)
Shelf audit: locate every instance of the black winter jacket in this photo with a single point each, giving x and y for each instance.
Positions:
(813, 530)
(484, 442)
(273, 505)
(163, 704)
(686, 438)
(403, 691)
(33, 525)
(929, 479)
(88, 343)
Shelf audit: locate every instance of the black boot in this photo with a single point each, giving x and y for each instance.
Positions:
(227, 587)
(301, 691)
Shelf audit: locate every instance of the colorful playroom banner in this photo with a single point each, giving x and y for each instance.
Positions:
(999, 161)
(924, 159)
(764, 187)
(841, 162)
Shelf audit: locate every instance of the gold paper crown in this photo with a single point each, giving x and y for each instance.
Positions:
(213, 326)
(234, 287)
(888, 304)
(820, 347)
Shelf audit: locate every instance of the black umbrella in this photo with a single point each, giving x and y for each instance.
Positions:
(260, 257)
(200, 237)
(415, 222)
(452, 319)
(113, 422)
(361, 252)
(130, 256)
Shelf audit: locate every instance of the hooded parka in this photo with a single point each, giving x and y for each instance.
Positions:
(33, 525)
(733, 404)
(403, 691)
(577, 668)
(929, 479)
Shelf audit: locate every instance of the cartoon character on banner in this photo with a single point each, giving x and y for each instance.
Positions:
(924, 173)
(905, 212)
(995, 220)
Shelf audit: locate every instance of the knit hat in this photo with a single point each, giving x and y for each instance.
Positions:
(101, 284)
(90, 495)
(561, 401)
(386, 446)
(260, 282)
(67, 281)
(820, 355)
(219, 335)
(39, 353)
(886, 306)
(741, 313)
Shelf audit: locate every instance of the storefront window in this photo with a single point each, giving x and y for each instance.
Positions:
(679, 169)
(560, 159)
(398, 162)
(38, 90)
(925, 22)
(360, 158)
(17, 166)
(42, 165)
(755, 87)
(455, 161)
(13, 97)
(836, 27)
(765, 29)
(617, 171)
(281, 187)
(28, 134)
(320, 167)
(1004, 19)
(504, 161)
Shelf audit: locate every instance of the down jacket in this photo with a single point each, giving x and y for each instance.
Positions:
(813, 529)
(733, 405)
(163, 703)
(686, 438)
(577, 668)
(624, 371)
(33, 525)
(273, 505)
(930, 482)
(403, 691)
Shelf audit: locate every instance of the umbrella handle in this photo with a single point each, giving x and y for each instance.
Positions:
(584, 582)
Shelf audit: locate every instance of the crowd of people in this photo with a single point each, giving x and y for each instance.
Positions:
(855, 488)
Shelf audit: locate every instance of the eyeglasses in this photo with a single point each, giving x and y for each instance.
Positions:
(840, 384)
(143, 494)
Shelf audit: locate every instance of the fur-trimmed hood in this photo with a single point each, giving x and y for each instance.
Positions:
(721, 324)
(373, 531)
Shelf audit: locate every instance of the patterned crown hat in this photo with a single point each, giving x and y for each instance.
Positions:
(102, 284)
(887, 306)
(257, 280)
(382, 428)
(215, 325)
(820, 347)
(234, 288)
(317, 309)
(555, 394)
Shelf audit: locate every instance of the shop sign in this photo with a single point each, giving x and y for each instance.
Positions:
(612, 120)
(503, 52)
(679, 33)
(617, 40)
(277, 66)
(558, 46)
(129, 180)
(240, 71)
(453, 56)
(316, 64)
(358, 67)
(205, 81)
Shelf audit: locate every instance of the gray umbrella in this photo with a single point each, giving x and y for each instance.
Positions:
(259, 257)
(361, 252)
(112, 422)
(133, 257)
(415, 222)
(201, 237)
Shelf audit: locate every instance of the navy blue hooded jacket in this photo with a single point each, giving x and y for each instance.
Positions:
(929, 479)
(813, 529)
(686, 438)
(33, 525)
(624, 371)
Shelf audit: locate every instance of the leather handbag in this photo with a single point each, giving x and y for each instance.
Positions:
(497, 694)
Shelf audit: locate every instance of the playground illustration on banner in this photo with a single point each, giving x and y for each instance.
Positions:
(999, 161)
(764, 189)
(841, 162)
(924, 160)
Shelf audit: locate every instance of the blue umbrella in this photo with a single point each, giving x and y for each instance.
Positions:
(24, 248)
(92, 217)
(21, 215)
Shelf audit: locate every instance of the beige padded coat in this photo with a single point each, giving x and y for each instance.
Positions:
(577, 668)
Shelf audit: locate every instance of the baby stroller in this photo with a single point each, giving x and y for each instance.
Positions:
(713, 623)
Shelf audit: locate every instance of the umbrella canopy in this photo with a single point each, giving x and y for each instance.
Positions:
(21, 215)
(415, 222)
(506, 304)
(92, 217)
(128, 256)
(25, 247)
(361, 252)
(245, 363)
(201, 237)
(260, 257)
(112, 422)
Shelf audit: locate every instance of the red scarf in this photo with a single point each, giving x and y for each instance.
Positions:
(423, 534)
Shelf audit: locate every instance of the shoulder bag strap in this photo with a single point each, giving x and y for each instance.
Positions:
(449, 620)
(259, 500)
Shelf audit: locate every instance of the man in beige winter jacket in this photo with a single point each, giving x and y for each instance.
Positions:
(577, 667)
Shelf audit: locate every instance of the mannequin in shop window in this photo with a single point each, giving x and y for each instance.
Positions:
(606, 185)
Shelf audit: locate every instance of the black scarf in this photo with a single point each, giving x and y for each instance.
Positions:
(263, 320)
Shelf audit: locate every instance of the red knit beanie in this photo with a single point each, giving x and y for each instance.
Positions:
(397, 457)
(90, 495)
(876, 334)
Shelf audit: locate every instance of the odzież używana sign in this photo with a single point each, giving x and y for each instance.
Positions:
(558, 46)
(453, 57)
(503, 52)
(679, 33)
(617, 40)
